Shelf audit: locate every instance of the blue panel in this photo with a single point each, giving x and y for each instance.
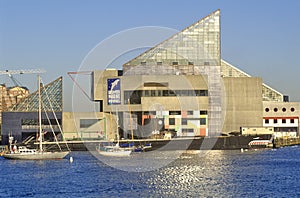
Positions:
(113, 91)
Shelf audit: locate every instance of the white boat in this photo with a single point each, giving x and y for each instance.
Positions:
(260, 143)
(24, 153)
(113, 150)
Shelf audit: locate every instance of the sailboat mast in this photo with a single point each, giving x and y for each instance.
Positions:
(130, 119)
(40, 113)
(118, 136)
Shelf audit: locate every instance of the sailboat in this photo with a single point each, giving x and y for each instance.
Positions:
(113, 150)
(131, 146)
(24, 153)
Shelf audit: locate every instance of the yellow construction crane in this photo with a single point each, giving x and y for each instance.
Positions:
(10, 73)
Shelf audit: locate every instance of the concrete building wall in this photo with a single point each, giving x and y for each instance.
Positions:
(243, 103)
(172, 82)
(281, 109)
(88, 125)
(99, 81)
(243, 97)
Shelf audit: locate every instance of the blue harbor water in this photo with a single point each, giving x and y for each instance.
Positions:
(261, 173)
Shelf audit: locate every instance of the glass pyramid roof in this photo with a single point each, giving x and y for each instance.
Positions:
(188, 52)
(51, 95)
(198, 44)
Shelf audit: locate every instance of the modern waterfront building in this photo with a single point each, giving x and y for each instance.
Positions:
(181, 87)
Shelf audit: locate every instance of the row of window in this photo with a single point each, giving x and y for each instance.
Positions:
(135, 96)
(44, 122)
(86, 123)
(187, 130)
(174, 63)
(292, 109)
(202, 112)
(184, 121)
(283, 121)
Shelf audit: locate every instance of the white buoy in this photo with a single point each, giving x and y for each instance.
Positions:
(242, 150)
(71, 160)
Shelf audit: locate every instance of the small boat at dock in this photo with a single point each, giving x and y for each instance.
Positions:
(113, 150)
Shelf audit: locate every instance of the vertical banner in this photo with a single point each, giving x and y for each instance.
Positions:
(113, 91)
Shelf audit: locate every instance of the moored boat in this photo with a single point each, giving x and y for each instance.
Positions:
(113, 150)
(24, 153)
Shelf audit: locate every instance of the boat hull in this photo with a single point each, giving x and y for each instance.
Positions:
(36, 156)
(119, 153)
(115, 154)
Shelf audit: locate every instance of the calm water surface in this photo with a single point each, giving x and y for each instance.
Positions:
(264, 173)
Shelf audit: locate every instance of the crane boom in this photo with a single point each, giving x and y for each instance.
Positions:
(22, 71)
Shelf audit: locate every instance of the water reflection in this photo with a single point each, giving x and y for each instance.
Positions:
(204, 173)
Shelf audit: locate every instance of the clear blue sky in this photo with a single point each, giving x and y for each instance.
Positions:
(260, 37)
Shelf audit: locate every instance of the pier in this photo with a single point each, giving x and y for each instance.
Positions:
(286, 141)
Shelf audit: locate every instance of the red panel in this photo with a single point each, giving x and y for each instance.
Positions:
(281, 117)
(202, 131)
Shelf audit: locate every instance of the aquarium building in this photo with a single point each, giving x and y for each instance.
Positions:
(179, 88)
(184, 87)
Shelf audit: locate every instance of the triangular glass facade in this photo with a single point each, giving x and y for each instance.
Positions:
(51, 95)
(193, 51)
(197, 45)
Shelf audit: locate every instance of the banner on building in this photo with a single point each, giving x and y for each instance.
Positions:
(113, 91)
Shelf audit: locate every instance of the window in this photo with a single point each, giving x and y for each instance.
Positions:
(149, 113)
(201, 92)
(152, 92)
(159, 92)
(275, 109)
(85, 123)
(187, 130)
(143, 63)
(267, 109)
(284, 109)
(134, 97)
(171, 121)
(172, 93)
(184, 92)
(275, 121)
(190, 63)
(202, 121)
(175, 63)
(190, 112)
(292, 121)
(292, 109)
(203, 112)
(165, 92)
(175, 113)
(184, 121)
(283, 121)
(147, 93)
(266, 121)
(159, 63)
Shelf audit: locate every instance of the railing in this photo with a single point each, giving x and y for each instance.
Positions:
(24, 127)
